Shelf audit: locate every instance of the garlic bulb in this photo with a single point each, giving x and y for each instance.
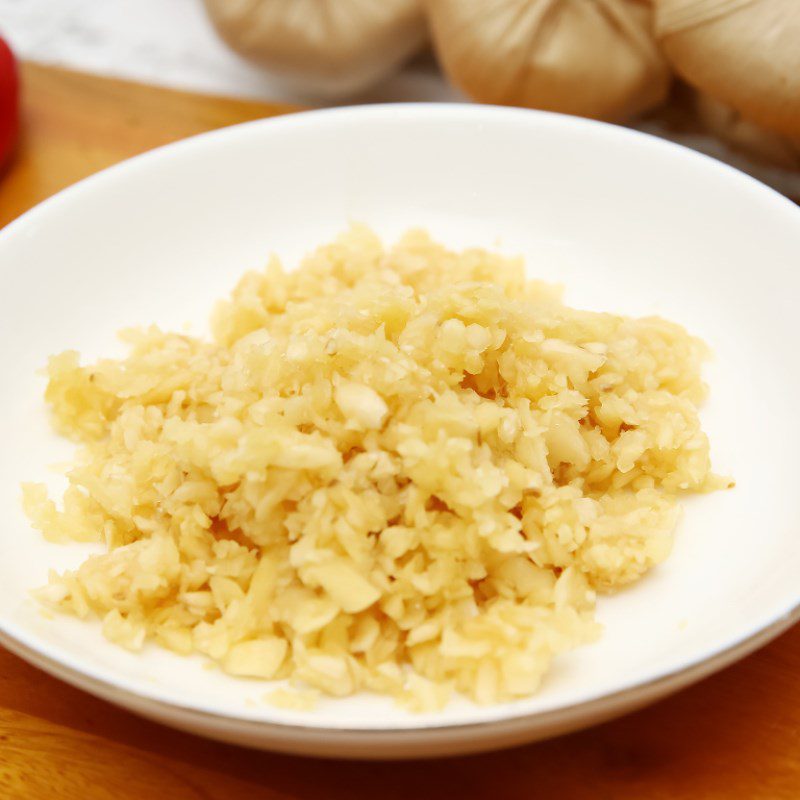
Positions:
(744, 53)
(751, 139)
(322, 47)
(596, 58)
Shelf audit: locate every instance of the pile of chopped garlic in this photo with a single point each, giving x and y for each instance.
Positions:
(405, 471)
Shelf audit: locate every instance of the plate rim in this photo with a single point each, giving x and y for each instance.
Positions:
(640, 692)
(34, 649)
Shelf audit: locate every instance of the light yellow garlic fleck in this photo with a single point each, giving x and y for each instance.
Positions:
(259, 658)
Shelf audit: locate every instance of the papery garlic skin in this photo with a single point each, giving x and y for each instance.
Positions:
(593, 58)
(743, 54)
(745, 136)
(319, 48)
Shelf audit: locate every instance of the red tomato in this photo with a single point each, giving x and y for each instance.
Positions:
(9, 110)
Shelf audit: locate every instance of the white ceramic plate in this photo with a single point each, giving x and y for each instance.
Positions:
(627, 222)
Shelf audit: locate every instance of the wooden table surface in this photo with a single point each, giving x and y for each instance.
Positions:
(735, 735)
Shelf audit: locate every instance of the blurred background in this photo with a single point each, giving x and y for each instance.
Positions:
(721, 76)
